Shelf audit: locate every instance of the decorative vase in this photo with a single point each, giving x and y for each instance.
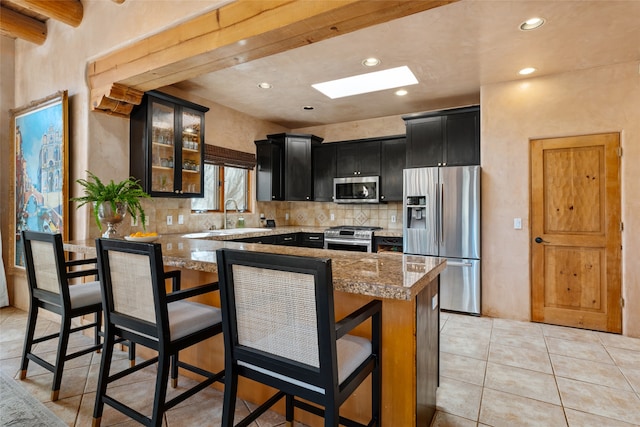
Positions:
(111, 218)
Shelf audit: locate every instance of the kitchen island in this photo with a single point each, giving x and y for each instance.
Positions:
(407, 285)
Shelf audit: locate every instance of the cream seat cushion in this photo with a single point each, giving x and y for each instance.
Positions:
(352, 351)
(84, 294)
(186, 317)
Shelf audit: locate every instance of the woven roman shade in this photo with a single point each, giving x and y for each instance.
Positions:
(227, 157)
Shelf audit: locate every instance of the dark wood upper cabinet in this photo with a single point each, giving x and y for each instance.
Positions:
(393, 159)
(288, 168)
(166, 140)
(443, 138)
(324, 170)
(268, 171)
(358, 158)
(462, 139)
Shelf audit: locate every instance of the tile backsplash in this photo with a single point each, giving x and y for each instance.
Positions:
(315, 214)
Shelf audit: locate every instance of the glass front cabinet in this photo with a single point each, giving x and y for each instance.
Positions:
(167, 146)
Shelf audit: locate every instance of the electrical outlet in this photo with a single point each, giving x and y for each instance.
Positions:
(332, 217)
(286, 216)
(169, 219)
(393, 218)
(134, 221)
(180, 219)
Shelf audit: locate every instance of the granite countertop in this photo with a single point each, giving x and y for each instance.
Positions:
(381, 275)
(259, 232)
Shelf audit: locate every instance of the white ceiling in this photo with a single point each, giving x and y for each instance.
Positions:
(452, 50)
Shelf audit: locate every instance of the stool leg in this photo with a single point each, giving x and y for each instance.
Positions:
(132, 354)
(28, 339)
(103, 377)
(63, 342)
(164, 361)
(174, 370)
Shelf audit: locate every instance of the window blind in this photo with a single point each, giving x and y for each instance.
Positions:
(227, 157)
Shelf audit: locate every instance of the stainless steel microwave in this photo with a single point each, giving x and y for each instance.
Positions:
(356, 189)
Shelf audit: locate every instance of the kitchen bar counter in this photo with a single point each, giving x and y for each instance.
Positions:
(408, 287)
(380, 275)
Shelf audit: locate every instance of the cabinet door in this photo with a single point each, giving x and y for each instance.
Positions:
(462, 139)
(324, 170)
(191, 178)
(166, 139)
(165, 157)
(358, 158)
(393, 153)
(297, 169)
(268, 171)
(424, 142)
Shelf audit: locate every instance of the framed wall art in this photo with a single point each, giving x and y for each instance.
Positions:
(41, 136)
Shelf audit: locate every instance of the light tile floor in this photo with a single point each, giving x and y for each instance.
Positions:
(494, 372)
(497, 372)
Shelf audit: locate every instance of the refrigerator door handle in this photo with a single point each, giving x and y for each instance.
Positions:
(459, 263)
(442, 213)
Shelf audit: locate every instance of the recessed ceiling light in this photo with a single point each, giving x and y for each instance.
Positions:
(265, 85)
(308, 107)
(401, 92)
(532, 24)
(371, 62)
(526, 71)
(369, 82)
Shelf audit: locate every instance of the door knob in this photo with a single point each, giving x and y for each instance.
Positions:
(540, 240)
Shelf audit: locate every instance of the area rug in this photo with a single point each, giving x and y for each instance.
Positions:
(19, 408)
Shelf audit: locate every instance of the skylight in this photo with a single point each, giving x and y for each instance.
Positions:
(365, 83)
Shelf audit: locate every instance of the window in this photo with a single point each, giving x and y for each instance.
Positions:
(236, 187)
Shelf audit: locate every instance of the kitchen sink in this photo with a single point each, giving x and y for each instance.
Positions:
(224, 232)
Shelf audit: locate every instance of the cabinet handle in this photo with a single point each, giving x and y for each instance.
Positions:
(314, 238)
(308, 197)
(444, 164)
(381, 197)
(176, 191)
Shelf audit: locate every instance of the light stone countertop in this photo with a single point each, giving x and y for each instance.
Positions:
(381, 275)
(386, 232)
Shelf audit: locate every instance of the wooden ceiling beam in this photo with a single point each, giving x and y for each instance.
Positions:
(68, 11)
(237, 33)
(14, 24)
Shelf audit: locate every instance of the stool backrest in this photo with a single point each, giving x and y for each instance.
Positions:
(131, 277)
(278, 314)
(45, 265)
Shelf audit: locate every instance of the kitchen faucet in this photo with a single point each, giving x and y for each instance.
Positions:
(225, 210)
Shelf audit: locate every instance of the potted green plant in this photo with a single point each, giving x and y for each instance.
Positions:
(112, 201)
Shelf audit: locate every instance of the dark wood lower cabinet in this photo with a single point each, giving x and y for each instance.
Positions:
(427, 352)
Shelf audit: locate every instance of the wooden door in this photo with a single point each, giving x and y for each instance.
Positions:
(576, 232)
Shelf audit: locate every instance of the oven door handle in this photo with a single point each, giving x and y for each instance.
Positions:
(347, 242)
(329, 240)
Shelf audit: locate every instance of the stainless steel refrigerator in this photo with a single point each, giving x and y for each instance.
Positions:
(442, 218)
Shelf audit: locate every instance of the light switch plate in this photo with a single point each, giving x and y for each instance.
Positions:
(169, 219)
(393, 218)
(180, 219)
(332, 217)
(517, 223)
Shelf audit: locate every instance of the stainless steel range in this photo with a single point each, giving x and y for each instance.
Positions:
(350, 238)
